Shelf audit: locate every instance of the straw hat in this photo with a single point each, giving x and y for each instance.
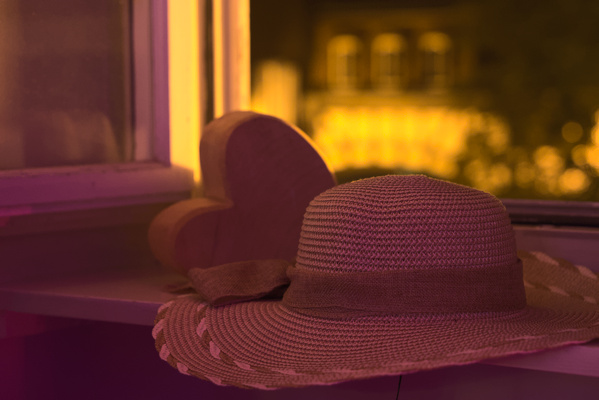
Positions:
(393, 275)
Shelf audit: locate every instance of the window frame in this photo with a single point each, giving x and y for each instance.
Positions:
(166, 160)
(553, 212)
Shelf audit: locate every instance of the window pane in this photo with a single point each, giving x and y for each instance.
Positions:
(64, 83)
(502, 95)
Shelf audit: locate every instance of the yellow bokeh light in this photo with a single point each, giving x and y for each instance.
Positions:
(578, 155)
(435, 140)
(572, 132)
(500, 176)
(498, 137)
(474, 171)
(388, 43)
(573, 181)
(487, 176)
(436, 42)
(548, 160)
(421, 139)
(524, 174)
(595, 135)
(592, 156)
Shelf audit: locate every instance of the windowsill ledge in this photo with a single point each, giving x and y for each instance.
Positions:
(133, 296)
(130, 296)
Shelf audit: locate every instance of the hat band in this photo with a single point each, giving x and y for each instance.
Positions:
(240, 281)
(343, 294)
(432, 290)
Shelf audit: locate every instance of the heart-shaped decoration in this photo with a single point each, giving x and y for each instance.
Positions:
(258, 176)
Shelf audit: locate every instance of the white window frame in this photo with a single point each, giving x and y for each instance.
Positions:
(167, 47)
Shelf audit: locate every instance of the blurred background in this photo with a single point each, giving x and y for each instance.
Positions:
(502, 95)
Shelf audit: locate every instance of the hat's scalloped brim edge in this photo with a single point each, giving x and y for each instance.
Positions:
(263, 344)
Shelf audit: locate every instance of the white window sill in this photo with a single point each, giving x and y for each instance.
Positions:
(134, 295)
(118, 295)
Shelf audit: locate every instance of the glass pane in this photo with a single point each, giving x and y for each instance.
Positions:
(502, 95)
(64, 83)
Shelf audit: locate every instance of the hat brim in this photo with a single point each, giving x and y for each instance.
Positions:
(263, 344)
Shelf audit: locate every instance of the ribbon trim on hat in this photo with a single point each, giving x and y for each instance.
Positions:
(342, 294)
(240, 281)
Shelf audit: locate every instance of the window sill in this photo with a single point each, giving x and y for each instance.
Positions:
(582, 360)
(133, 296)
(60, 189)
(130, 296)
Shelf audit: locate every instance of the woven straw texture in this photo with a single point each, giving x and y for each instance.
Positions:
(382, 224)
(404, 222)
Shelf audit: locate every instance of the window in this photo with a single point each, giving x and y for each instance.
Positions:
(389, 64)
(65, 80)
(98, 104)
(449, 89)
(79, 232)
(435, 50)
(344, 54)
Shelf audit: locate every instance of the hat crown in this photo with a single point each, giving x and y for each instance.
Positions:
(404, 222)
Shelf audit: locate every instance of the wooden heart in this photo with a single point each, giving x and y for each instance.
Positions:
(258, 176)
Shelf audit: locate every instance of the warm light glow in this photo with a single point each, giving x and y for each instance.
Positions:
(435, 47)
(592, 156)
(218, 56)
(579, 155)
(387, 63)
(184, 84)
(388, 43)
(595, 135)
(231, 53)
(548, 160)
(277, 89)
(572, 132)
(428, 139)
(587, 155)
(524, 174)
(573, 181)
(451, 143)
(549, 167)
(343, 54)
(436, 42)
